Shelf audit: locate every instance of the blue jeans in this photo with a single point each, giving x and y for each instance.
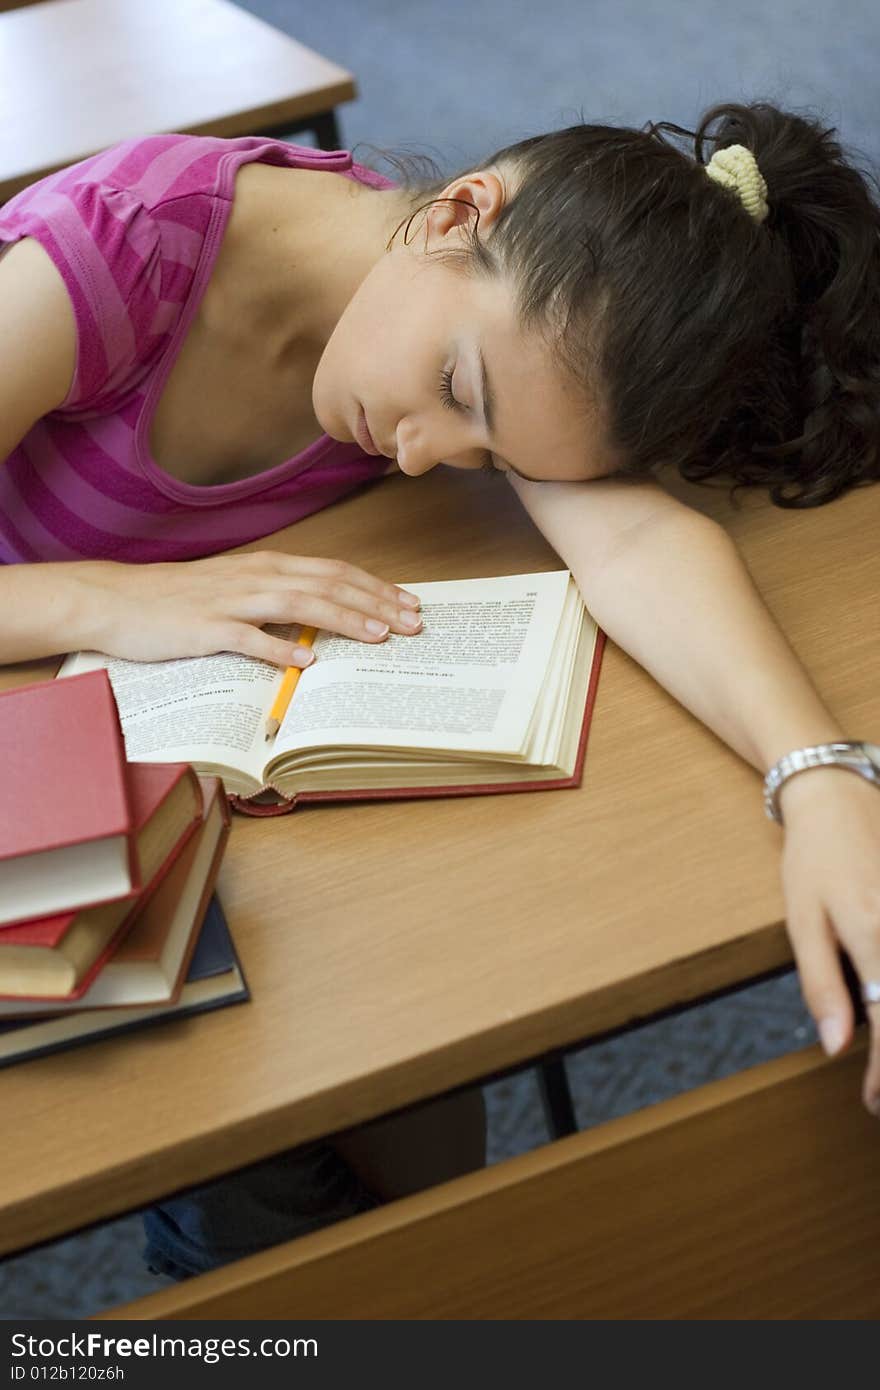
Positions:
(269, 1202)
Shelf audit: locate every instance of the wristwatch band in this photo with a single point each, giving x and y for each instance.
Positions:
(863, 758)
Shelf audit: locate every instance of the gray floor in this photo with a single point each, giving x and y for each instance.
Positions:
(458, 81)
(461, 79)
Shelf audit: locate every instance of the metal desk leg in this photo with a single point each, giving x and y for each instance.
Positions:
(326, 130)
(556, 1097)
(324, 127)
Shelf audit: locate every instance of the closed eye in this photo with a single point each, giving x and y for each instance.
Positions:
(446, 395)
(488, 464)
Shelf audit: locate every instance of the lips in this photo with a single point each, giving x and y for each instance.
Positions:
(363, 436)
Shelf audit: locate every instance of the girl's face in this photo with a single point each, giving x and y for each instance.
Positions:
(431, 362)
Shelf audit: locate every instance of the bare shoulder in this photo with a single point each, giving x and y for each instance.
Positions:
(266, 197)
(247, 268)
(37, 339)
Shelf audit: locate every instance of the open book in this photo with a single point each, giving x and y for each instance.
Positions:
(494, 694)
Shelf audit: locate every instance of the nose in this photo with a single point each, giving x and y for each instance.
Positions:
(413, 453)
(421, 445)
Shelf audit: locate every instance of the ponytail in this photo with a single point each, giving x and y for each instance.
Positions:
(828, 346)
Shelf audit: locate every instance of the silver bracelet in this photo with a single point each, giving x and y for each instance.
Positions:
(863, 758)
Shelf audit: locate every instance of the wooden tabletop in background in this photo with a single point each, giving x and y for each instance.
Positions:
(395, 950)
(79, 75)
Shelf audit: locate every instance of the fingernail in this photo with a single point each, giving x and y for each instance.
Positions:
(376, 628)
(410, 620)
(831, 1033)
(302, 657)
(874, 1106)
(409, 600)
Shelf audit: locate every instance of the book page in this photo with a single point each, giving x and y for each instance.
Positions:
(469, 681)
(208, 710)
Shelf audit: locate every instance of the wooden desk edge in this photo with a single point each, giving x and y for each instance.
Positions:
(250, 121)
(32, 1221)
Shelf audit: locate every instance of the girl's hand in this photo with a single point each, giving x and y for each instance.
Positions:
(831, 876)
(197, 607)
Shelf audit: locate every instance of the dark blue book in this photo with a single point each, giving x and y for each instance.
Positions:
(214, 979)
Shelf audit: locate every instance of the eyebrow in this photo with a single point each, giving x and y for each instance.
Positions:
(488, 404)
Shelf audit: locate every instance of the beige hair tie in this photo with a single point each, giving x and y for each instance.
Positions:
(737, 168)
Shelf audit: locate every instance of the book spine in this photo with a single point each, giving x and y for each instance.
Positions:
(248, 807)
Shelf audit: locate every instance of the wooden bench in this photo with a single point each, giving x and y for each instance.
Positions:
(749, 1198)
(79, 75)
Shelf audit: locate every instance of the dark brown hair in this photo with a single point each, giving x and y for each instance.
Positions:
(727, 348)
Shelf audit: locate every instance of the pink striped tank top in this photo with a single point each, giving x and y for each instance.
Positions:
(135, 232)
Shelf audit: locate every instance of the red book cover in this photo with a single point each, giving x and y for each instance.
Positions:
(178, 905)
(150, 786)
(147, 961)
(64, 785)
(170, 790)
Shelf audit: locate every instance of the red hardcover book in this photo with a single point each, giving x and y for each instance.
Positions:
(58, 956)
(214, 980)
(493, 695)
(147, 963)
(65, 819)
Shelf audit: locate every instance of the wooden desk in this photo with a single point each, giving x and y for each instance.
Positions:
(396, 951)
(79, 75)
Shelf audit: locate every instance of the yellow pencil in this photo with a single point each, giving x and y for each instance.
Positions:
(287, 686)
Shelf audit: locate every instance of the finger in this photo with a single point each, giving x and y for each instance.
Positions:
(867, 968)
(369, 623)
(335, 572)
(359, 602)
(862, 924)
(871, 1086)
(252, 641)
(821, 976)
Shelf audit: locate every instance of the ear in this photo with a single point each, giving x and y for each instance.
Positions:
(447, 223)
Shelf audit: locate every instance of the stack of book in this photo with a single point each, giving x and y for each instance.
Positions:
(108, 915)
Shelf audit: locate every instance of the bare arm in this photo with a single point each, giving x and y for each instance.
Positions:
(37, 355)
(669, 587)
(196, 607)
(656, 575)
